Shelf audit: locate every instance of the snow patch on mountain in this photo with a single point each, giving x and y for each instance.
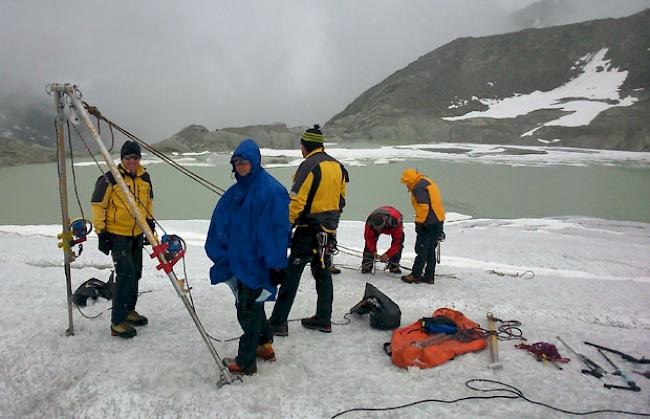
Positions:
(594, 90)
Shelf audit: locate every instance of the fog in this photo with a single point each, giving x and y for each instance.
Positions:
(155, 67)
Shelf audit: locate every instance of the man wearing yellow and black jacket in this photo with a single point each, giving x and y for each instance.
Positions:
(317, 200)
(119, 233)
(429, 220)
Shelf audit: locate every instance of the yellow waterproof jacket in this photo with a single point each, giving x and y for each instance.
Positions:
(111, 212)
(318, 191)
(425, 197)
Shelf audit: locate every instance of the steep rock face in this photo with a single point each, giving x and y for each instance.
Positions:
(474, 74)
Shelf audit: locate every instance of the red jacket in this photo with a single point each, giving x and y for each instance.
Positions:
(393, 226)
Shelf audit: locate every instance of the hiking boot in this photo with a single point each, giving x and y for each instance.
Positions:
(314, 323)
(334, 270)
(411, 279)
(237, 369)
(279, 329)
(136, 319)
(123, 330)
(428, 280)
(394, 269)
(366, 269)
(265, 351)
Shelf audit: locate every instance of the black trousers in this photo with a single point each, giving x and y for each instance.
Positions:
(304, 249)
(126, 252)
(393, 260)
(252, 319)
(425, 247)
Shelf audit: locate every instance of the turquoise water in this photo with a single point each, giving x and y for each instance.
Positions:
(31, 196)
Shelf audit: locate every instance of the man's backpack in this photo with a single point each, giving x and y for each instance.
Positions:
(435, 340)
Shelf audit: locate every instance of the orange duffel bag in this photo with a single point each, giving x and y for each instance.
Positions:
(412, 346)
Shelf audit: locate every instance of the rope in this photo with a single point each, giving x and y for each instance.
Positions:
(508, 330)
(218, 190)
(105, 175)
(108, 309)
(74, 174)
(508, 392)
(110, 128)
(346, 316)
(86, 316)
(197, 178)
(521, 275)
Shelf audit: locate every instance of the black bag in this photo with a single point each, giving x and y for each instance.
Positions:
(93, 288)
(384, 313)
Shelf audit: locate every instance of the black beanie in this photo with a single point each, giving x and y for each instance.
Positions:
(312, 138)
(130, 147)
(377, 221)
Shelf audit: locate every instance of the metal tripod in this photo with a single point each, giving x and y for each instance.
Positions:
(70, 91)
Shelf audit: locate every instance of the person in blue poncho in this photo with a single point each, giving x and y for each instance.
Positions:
(247, 241)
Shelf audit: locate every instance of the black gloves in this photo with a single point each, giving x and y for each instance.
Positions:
(152, 226)
(105, 242)
(277, 276)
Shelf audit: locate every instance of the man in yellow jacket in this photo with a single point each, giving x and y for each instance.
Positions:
(317, 200)
(119, 234)
(429, 220)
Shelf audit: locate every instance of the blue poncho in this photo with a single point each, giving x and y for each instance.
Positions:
(249, 231)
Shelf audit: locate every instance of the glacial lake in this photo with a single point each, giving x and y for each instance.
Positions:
(615, 192)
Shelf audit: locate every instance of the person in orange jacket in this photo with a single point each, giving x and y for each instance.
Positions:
(429, 220)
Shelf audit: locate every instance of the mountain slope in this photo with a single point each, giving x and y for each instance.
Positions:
(199, 138)
(473, 74)
(545, 13)
(32, 122)
(15, 152)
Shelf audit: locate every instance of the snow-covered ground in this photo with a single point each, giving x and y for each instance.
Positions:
(592, 282)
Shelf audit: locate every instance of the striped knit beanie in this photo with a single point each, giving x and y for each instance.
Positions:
(313, 135)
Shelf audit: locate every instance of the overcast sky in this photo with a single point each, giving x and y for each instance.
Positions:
(157, 66)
